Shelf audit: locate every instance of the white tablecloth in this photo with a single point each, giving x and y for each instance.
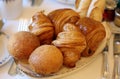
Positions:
(91, 71)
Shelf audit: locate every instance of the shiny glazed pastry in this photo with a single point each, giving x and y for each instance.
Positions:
(46, 59)
(71, 42)
(22, 44)
(42, 27)
(61, 16)
(94, 32)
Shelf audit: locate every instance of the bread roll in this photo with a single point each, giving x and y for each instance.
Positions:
(22, 44)
(46, 59)
(82, 7)
(96, 9)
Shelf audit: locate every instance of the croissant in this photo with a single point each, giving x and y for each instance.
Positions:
(61, 16)
(71, 42)
(94, 32)
(42, 27)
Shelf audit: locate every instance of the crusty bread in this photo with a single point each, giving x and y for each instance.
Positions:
(82, 7)
(96, 9)
(90, 8)
(46, 59)
(22, 44)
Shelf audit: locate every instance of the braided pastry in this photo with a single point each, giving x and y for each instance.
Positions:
(71, 42)
(42, 27)
(61, 16)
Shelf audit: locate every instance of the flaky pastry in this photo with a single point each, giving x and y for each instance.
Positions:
(71, 42)
(42, 27)
(61, 16)
(94, 32)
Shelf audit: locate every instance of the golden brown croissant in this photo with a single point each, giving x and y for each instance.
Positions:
(71, 42)
(94, 32)
(61, 16)
(42, 27)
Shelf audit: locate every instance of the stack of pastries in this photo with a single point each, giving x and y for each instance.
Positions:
(62, 31)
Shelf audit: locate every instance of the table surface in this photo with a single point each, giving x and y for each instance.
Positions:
(91, 71)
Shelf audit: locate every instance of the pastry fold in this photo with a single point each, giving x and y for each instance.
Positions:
(42, 27)
(71, 42)
(94, 32)
(61, 16)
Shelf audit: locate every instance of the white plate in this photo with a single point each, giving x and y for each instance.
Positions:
(114, 28)
(84, 61)
(72, 2)
(4, 55)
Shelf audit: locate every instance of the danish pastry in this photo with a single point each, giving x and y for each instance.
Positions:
(94, 32)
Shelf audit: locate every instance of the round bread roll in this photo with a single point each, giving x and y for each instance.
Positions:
(46, 59)
(22, 44)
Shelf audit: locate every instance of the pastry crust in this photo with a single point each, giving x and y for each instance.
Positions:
(96, 10)
(96, 14)
(45, 61)
(82, 7)
(22, 44)
(94, 32)
(71, 42)
(42, 27)
(77, 2)
(90, 8)
(61, 16)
